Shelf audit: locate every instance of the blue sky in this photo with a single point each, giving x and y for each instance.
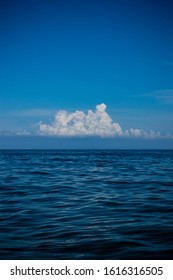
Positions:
(74, 55)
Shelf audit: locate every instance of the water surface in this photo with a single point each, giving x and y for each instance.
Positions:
(62, 204)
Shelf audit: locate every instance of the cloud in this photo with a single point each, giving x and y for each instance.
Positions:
(135, 132)
(23, 133)
(163, 96)
(16, 132)
(97, 123)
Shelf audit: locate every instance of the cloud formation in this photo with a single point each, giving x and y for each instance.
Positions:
(97, 123)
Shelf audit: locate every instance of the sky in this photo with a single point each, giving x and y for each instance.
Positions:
(93, 73)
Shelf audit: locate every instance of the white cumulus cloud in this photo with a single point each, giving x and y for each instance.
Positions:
(97, 123)
(92, 123)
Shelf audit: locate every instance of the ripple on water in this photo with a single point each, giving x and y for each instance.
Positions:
(86, 204)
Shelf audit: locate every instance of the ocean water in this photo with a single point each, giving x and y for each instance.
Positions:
(85, 204)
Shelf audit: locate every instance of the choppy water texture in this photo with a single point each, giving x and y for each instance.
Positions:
(86, 204)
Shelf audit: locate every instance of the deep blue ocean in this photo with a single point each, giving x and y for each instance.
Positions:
(86, 204)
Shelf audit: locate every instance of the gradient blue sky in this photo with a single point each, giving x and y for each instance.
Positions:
(73, 55)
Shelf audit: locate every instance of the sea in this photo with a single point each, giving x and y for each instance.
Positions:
(86, 204)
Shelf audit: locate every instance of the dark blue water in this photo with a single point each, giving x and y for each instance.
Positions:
(86, 204)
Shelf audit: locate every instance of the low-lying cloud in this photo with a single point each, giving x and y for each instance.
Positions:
(92, 123)
(97, 123)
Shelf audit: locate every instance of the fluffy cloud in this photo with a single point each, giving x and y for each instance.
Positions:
(135, 132)
(92, 123)
(97, 123)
